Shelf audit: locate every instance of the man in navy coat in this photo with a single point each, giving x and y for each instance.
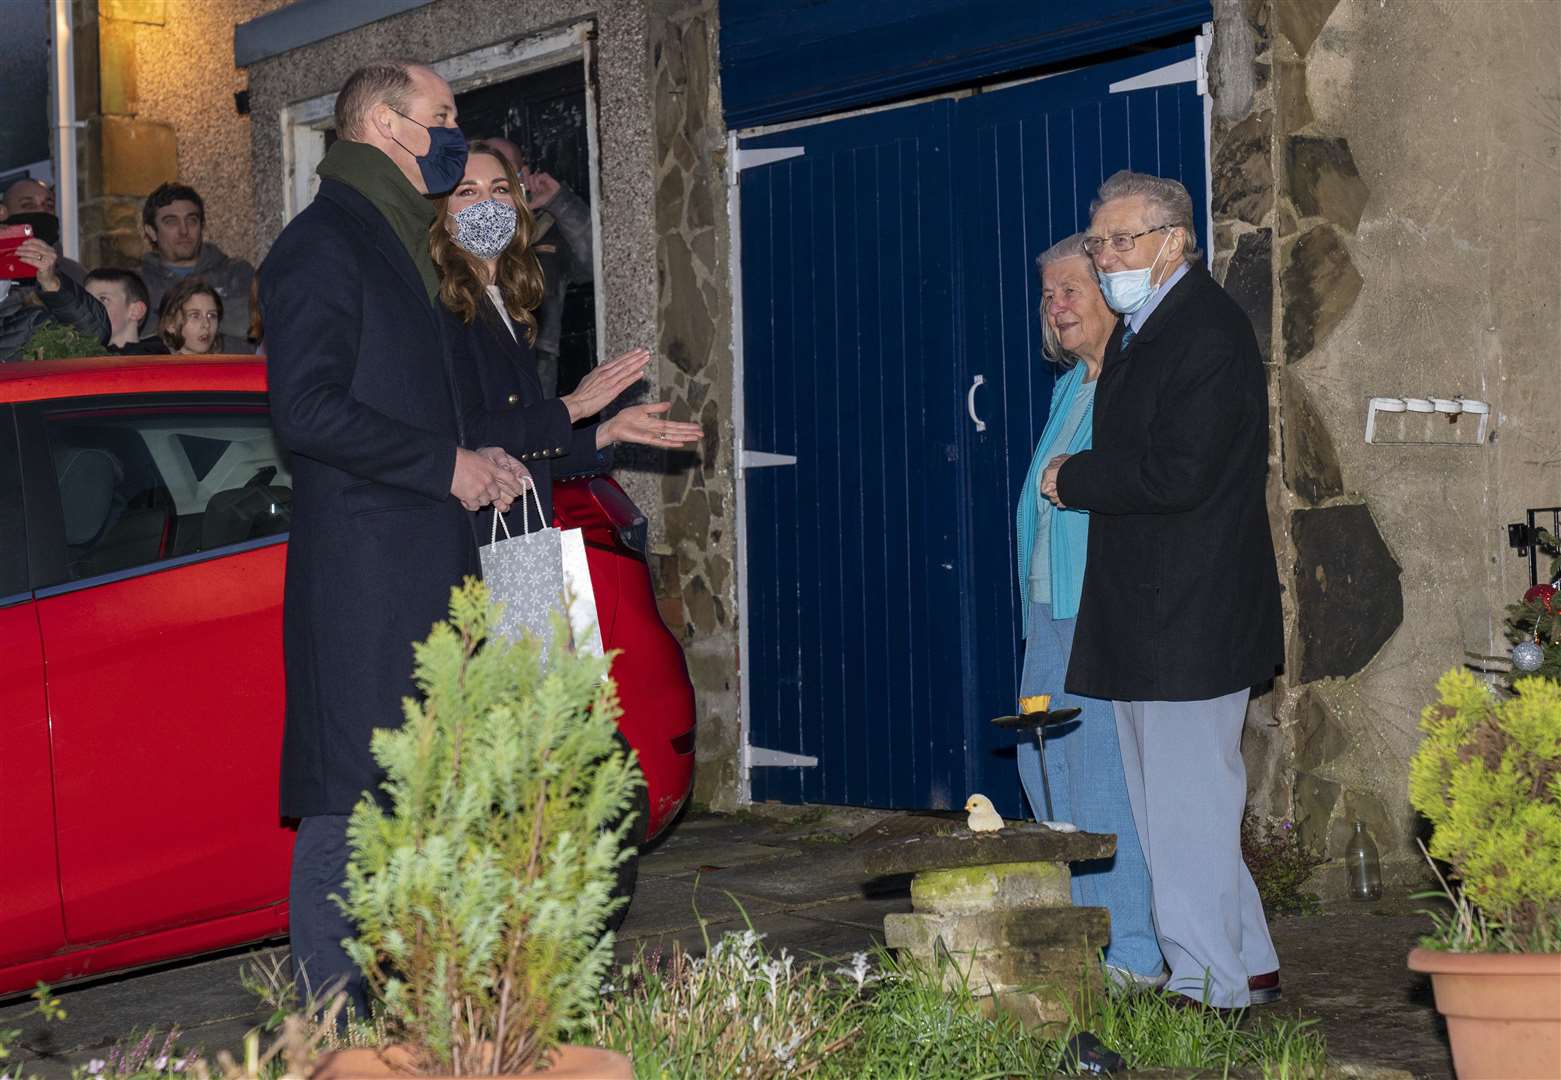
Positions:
(1179, 617)
(362, 397)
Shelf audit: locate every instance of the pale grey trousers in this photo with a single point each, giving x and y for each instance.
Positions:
(1187, 786)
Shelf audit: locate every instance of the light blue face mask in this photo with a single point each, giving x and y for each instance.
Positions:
(1128, 290)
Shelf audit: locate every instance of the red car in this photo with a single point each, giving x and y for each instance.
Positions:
(143, 534)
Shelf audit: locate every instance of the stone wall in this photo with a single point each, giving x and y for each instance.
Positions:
(1405, 215)
(692, 263)
(664, 274)
(154, 83)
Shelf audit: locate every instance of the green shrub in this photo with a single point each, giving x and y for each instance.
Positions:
(481, 895)
(1280, 865)
(1488, 778)
(56, 341)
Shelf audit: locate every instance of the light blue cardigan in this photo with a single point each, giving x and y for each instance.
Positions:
(1069, 528)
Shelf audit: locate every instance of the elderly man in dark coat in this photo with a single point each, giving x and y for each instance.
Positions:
(1179, 617)
(361, 394)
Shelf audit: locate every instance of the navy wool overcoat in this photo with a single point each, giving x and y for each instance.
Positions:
(361, 395)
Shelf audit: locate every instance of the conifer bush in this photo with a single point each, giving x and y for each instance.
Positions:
(480, 895)
(1488, 778)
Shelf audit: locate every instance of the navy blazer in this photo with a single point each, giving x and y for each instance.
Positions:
(1181, 593)
(504, 406)
(362, 397)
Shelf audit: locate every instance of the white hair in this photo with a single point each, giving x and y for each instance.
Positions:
(1169, 204)
(1051, 345)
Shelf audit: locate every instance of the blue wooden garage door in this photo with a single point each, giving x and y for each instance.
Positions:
(883, 270)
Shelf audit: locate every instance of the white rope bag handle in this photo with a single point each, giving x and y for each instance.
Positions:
(498, 517)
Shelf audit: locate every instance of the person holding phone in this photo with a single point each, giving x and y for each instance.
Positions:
(33, 292)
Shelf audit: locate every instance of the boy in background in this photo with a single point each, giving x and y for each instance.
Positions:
(123, 295)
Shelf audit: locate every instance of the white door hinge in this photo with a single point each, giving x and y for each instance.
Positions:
(758, 757)
(769, 155)
(759, 459)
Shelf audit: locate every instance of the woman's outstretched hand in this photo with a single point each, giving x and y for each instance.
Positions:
(648, 426)
(603, 384)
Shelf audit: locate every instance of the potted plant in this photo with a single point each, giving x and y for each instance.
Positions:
(480, 895)
(1488, 777)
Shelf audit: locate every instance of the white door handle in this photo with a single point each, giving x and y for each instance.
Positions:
(970, 401)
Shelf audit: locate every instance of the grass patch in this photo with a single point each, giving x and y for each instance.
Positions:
(1143, 1027)
(741, 1011)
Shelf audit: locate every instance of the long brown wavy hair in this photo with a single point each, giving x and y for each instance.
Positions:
(462, 276)
(170, 313)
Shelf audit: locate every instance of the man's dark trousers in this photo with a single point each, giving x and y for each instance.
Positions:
(316, 923)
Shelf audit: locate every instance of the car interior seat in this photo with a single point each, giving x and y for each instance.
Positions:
(88, 480)
(136, 528)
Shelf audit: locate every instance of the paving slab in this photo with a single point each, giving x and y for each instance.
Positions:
(203, 997)
(695, 855)
(831, 872)
(665, 904)
(1350, 973)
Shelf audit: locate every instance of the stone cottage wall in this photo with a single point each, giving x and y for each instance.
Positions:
(663, 255)
(154, 84)
(1391, 170)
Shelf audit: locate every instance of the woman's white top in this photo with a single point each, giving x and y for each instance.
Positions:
(498, 302)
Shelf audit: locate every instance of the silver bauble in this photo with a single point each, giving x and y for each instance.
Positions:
(1527, 656)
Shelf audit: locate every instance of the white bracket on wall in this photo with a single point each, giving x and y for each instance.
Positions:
(1420, 412)
(750, 159)
(1194, 69)
(1202, 46)
(759, 757)
(760, 459)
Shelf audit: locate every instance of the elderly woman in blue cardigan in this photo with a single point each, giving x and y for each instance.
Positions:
(1084, 763)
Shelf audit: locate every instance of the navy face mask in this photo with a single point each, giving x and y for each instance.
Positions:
(445, 163)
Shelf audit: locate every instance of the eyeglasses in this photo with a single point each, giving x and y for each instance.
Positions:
(1119, 241)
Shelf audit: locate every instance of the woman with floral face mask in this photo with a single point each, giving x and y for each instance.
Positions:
(490, 285)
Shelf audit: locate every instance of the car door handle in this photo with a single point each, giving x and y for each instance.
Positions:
(970, 401)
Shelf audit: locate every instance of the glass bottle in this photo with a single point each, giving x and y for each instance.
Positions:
(1360, 858)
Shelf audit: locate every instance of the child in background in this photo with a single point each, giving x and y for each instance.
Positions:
(190, 318)
(123, 295)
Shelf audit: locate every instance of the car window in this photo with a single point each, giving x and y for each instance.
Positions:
(142, 484)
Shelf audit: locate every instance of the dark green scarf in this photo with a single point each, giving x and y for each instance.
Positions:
(374, 176)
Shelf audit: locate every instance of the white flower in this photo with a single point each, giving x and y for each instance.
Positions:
(786, 1051)
(858, 971)
(179, 1064)
(161, 1063)
(95, 1066)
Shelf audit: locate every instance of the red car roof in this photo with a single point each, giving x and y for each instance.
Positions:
(40, 380)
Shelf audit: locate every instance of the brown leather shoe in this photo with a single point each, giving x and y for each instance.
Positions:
(1264, 988)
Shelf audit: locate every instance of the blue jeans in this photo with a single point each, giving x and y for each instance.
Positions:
(1088, 788)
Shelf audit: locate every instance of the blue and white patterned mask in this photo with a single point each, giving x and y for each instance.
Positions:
(485, 228)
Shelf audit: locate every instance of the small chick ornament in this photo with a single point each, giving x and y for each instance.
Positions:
(983, 815)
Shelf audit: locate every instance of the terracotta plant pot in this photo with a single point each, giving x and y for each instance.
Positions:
(566, 1063)
(1503, 1011)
